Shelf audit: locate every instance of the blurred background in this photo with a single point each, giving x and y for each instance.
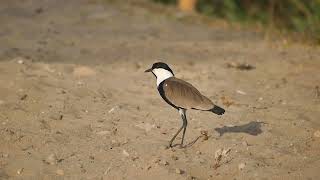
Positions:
(300, 17)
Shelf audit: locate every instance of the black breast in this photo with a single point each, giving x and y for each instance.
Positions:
(162, 94)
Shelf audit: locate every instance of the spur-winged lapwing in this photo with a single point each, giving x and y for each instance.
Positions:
(180, 95)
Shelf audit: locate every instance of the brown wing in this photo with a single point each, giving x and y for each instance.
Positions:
(183, 94)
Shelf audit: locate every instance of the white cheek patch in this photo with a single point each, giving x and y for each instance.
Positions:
(162, 74)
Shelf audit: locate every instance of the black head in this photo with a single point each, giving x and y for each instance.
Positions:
(159, 65)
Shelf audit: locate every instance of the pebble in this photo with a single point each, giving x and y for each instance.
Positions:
(204, 135)
(241, 92)
(19, 171)
(148, 167)
(241, 166)
(60, 172)
(317, 134)
(115, 108)
(51, 159)
(198, 152)
(125, 153)
(23, 97)
(56, 116)
(178, 171)
(218, 154)
(111, 110)
(20, 61)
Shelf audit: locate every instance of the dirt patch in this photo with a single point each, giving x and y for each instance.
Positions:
(75, 103)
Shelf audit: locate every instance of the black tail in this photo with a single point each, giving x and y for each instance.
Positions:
(217, 110)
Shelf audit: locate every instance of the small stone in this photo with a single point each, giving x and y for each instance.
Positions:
(148, 167)
(23, 97)
(204, 134)
(20, 61)
(317, 134)
(198, 152)
(241, 92)
(125, 153)
(178, 171)
(241, 166)
(51, 159)
(111, 110)
(218, 154)
(56, 116)
(60, 172)
(19, 171)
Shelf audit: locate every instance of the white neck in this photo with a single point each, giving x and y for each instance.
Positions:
(162, 74)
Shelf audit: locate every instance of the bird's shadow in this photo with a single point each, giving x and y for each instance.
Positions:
(252, 128)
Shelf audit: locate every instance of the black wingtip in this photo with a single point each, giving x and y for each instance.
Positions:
(217, 110)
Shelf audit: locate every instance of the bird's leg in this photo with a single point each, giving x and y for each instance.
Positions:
(182, 114)
(184, 125)
(174, 137)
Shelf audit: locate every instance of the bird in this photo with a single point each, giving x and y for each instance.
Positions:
(181, 95)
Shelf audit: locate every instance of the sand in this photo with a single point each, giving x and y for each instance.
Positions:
(75, 102)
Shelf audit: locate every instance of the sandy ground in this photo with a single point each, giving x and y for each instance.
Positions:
(75, 103)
